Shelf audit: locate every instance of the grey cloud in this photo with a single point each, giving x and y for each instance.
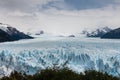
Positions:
(61, 16)
(34, 5)
(88, 4)
(22, 5)
(80, 4)
(12, 5)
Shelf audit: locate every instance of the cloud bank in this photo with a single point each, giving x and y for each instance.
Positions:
(60, 16)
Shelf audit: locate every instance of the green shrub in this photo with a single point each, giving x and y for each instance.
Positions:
(60, 74)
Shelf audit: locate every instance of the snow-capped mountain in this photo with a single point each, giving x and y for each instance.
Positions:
(8, 33)
(113, 34)
(97, 32)
(42, 34)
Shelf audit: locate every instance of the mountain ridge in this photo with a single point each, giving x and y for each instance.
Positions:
(8, 33)
(99, 32)
(113, 34)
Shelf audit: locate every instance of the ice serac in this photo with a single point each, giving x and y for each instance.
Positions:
(79, 60)
(8, 33)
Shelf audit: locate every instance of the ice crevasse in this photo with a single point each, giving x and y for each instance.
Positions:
(77, 59)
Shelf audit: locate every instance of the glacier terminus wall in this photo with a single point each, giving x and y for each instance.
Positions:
(76, 54)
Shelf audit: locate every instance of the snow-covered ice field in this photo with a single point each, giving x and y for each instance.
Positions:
(78, 53)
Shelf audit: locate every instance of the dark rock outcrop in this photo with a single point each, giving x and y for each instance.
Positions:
(114, 34)
(4, 36)
(11, 34)
(71, 36)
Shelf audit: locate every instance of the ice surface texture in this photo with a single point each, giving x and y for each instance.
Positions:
(78, 55)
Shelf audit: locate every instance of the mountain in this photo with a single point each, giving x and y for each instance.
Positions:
(71, 35)
(97, 32)
(4, 36)
(8, 33)
(39, 33)
(114, 34)
(36, 32)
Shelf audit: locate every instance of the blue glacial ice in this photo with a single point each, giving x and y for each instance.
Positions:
(78, 54)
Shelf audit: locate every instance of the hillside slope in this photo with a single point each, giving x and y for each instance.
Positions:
(114, 34)
(8, 33)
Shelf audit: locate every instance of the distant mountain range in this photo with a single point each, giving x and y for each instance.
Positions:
(8, 33)
(97, 32)
(104, 33)
(114, 34)
(36, 32)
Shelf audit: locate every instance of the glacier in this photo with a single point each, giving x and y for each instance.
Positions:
(78, 54)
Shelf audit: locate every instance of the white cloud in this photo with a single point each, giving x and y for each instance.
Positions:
(54, 20)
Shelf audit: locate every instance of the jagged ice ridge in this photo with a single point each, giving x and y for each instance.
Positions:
(76, 56)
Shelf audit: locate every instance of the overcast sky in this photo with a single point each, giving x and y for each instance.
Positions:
(60, 16)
